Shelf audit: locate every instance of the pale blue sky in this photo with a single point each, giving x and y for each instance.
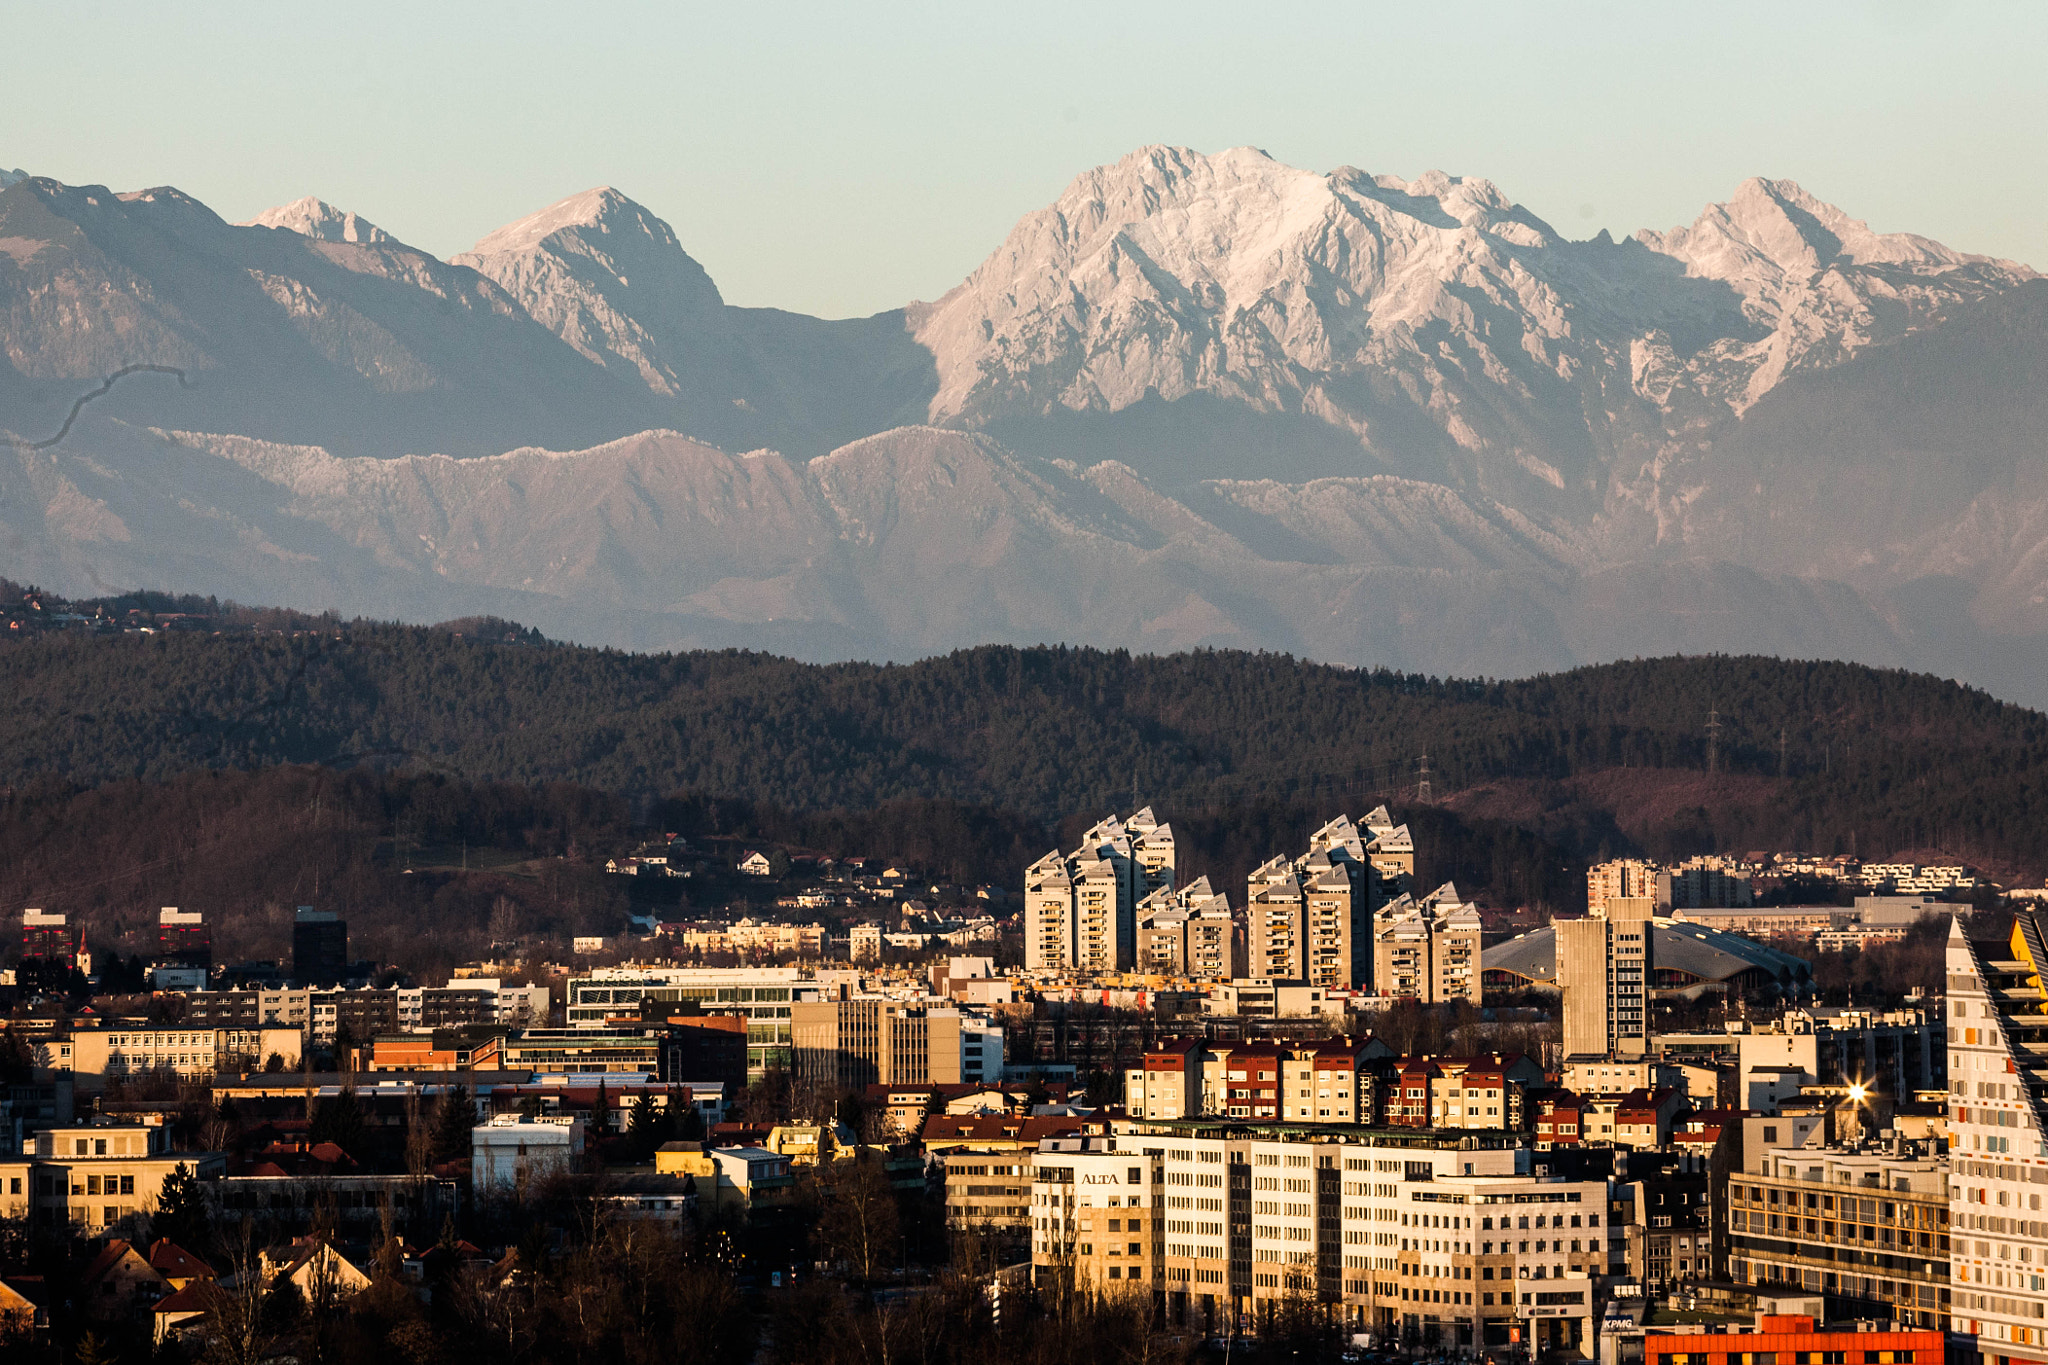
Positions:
(842, 159)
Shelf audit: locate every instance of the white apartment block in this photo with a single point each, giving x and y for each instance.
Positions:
(1427, 950)
(1080, 908)
(1998, 1163)
(1435, 1243)
(1189, 932)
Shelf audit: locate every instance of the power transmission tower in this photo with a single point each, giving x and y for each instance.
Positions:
(1713, 737)
(1422, 788)
(1781, 751)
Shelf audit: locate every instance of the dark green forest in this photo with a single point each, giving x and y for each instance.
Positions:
(1828, 756)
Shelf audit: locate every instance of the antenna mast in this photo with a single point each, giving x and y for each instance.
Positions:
(1713, 738)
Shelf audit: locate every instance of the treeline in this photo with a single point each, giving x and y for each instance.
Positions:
(431, 870)
(1837, 756)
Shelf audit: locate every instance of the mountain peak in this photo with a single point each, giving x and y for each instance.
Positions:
(320, 220)
(603, 209)
(1777, 228)
(611, 279)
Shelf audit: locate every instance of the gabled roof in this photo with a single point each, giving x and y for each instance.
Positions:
(200, 1296)
(116, 1251)
(173, 1262)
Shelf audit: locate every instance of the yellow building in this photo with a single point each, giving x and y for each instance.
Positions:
(93, 1177)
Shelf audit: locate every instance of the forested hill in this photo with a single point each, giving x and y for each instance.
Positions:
(1880, 759)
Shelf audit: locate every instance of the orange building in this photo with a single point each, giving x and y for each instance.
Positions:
(441, 1050)
(1795, 1340)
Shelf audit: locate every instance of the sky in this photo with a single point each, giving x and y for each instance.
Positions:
(844, 159)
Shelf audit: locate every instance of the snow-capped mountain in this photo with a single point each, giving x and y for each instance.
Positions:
(318, 219)
(1199, 399)
(1447, 330)
(609, 278)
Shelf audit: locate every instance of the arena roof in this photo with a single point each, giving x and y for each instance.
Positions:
(1712, 955)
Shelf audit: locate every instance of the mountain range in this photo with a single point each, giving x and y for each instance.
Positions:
(1199, 400)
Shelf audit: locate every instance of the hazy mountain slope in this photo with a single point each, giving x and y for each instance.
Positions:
(369, 347)
(1199, 400)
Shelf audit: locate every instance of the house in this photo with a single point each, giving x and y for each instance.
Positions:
(319, 1272)
(755, 864)
(119, 1283)
(178, 1266)
(194, 1303)
(21, 1311)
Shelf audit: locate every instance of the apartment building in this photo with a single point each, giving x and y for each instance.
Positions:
(1625, 879)
(1670, 1234)
(872, 1040)
(1276, 931)
(95, 1176)
(1310, 919)
(1189, 931)
(1427, 950)
(1080, 908)
(1390, 850)
(1448, 1243)
(1868, 1224)
(1998, 1105)
(1603, 967)
(1894, 1052)
(1327, 1080)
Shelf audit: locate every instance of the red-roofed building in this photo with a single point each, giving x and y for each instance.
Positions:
(1560, 1120)
(994, 1132)
(119, 1283)
(191, 1305)
(1408, 1099)
(1645, 1118)
(1170, 1083)
(1251, 1081)
(178, 1266)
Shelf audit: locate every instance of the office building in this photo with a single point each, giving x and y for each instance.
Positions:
(182, 939)
(48, 954)
(510, 1155)
(1867, 1227)
(763, 995)
(1450, 1242)
(1189, 931)
(869, 1040)
(1604, 963)
(1427, 950)
(1998, 1078)
(319, 947)
(135, 1050)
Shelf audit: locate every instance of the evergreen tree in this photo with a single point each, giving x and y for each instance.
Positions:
(183, 1214)
(454, 1117)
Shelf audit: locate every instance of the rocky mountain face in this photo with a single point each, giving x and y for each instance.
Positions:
(321, 221)
(1197, 400)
